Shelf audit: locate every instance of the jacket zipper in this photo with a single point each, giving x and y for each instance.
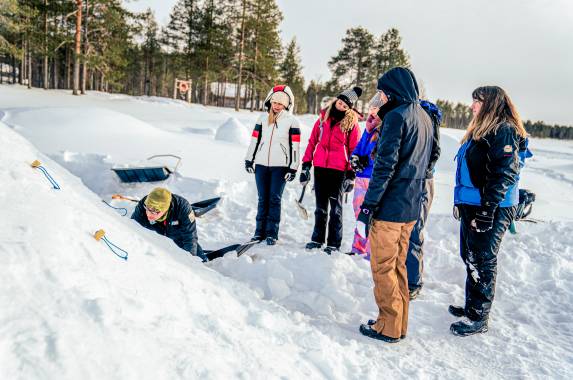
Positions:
(271, 144)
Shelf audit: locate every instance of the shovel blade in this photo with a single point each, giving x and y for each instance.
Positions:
(302, 211)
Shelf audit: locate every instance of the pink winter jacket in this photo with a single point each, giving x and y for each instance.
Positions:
(331, 150)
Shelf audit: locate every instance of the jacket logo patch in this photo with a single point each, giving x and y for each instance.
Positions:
(174, 223)
(507, 149)
(192, 216)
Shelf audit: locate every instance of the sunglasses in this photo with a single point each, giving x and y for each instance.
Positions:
(152, 210)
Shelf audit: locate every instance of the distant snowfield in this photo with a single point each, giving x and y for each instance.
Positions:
(71, 309)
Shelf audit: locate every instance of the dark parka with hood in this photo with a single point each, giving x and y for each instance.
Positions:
(179, 225)
(403, 157)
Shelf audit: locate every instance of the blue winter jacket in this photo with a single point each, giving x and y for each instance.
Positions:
(488, 170)
(364, 148)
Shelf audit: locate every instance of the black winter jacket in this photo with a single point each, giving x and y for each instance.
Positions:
(179, 225)
(403, 157)
(493, 163)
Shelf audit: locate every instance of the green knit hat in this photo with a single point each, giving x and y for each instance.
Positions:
(159, 199)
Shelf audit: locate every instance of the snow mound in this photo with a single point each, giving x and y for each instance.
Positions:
(233, 131)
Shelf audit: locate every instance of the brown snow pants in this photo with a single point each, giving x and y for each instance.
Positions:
(389, 248)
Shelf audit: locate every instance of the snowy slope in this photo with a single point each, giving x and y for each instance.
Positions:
(71, 309)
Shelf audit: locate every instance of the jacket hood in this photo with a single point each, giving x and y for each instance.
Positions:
(400, 85)
(280, 88)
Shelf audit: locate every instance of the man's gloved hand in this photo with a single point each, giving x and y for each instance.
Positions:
(483, 221)
(290, 175)
(305, 173)
(355, 163)
(364, 220)
(348, 184)
(249, 167)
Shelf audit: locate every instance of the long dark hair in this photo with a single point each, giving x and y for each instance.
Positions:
(496, 109)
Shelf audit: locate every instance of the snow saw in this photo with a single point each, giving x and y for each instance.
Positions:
(301, 210)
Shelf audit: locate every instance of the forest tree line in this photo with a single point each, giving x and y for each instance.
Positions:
(99, 45)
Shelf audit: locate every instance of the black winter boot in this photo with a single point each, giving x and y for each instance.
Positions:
(468, 327)
(457, 311)
(271, 241)
(313, 245)
(368, 331)
(371, 322)
(257, 238)
(329, 250)
(414, 293)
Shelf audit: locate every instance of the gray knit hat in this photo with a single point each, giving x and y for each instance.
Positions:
(350, 96)
(375, 102)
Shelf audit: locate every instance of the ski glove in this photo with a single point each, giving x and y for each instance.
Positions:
(363, 221)
(355, 163)
(305, 173)
(359, 163)
(348, 184)
(290, 175)
(249, 167)
(483, 221)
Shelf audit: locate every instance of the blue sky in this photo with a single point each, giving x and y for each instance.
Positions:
(524, 46)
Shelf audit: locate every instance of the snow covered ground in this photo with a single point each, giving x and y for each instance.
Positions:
(71, 309)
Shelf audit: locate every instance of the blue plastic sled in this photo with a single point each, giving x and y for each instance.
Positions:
(147, 173)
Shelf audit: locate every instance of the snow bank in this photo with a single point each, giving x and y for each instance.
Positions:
(71, 309)
(233, 131)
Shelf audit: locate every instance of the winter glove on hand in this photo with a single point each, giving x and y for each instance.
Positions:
(483, 221)
(363, 221)
(355, 163)
(291, 174)
(249, 167)
(364, 161)
(305, 173)
(348, 184)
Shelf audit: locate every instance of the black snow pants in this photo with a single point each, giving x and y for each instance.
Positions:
(415, 257)
(328, 190)
(479, 252)
(270, 186)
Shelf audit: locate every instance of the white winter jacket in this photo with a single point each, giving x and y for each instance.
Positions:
(276, 144)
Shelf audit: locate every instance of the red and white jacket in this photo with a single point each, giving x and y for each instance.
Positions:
(276, 144)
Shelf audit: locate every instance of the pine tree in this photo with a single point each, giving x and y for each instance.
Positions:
(351, 65)
(291, 74)
(389, 53)
(214, 46)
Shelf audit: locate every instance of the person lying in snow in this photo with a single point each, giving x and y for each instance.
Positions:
(171, 215)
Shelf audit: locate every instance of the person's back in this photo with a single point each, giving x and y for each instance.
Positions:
(404, 152)
(393, 199)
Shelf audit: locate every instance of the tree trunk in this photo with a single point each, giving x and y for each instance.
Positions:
(29, 69)
(13, 70)
(241, 51)
(86, 51)
(77, 50)
(45, 66)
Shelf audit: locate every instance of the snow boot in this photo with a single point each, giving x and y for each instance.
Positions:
(271, 241)
(468, 327)
(368, 331)
(457, 311)
(329, 250)
(371, 322)
(257, 238)
(313, 245)
(414, 293)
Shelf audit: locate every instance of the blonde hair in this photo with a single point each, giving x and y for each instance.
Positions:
(496, 109)
(348, 121)
(272, 116)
